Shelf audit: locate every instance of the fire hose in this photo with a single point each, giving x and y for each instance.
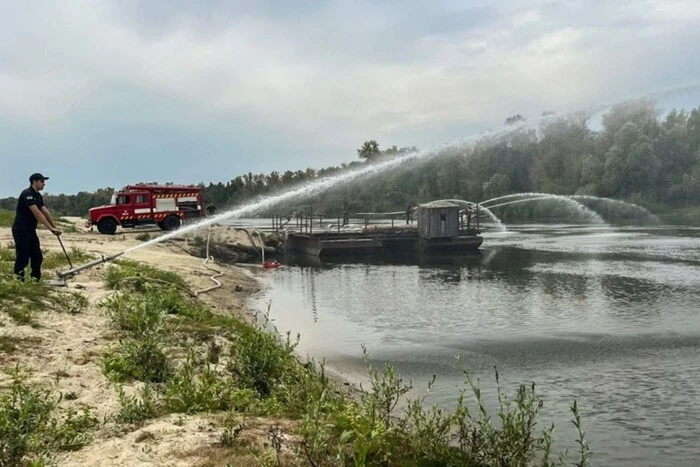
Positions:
(216, 273)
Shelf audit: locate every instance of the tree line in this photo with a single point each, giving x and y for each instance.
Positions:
(634, 153)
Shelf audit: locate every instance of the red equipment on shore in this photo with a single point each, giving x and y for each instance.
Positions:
(164, 205)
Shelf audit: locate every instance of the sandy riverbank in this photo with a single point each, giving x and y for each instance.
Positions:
(62, 352)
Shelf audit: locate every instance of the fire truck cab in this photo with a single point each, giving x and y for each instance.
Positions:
(164, 205)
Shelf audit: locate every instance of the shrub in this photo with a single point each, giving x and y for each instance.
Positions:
(260, 361)
(139, 358)
(366, 432)
(189, 392)
(70, 302)
(133, 409)
(25, 415)
(134, 313)
(29, 426)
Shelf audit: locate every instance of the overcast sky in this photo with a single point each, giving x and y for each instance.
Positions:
(106, 93)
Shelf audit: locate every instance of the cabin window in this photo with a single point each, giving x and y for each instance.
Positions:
(124, 199)
(141, 199)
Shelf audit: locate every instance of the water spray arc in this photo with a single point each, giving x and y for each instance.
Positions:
(515, 198)
(580, 207)
(304, 190)
(624, 204)
(325, 183)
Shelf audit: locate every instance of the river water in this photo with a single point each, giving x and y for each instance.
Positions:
(605, 315)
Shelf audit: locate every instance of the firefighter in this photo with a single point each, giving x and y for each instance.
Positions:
(31, 211)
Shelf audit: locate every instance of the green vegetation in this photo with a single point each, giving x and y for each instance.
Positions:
(52, 260)
(135, 275)
(7, 217)
(22, 300)
(31, 427)
(57, 259)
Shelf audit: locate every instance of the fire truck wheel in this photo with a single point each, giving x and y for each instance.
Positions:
(107, 226)
(161, 225)
(171, 222)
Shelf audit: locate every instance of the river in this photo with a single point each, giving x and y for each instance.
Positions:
(604, 315)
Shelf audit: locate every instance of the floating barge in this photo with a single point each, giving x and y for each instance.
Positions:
(440, 229)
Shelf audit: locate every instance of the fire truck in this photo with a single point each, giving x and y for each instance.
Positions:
(167, 206)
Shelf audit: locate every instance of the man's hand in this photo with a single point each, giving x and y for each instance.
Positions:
(56, 231)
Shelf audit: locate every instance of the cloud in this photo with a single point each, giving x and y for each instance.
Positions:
(325, 76)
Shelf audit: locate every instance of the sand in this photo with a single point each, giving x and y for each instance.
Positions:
(63, 353)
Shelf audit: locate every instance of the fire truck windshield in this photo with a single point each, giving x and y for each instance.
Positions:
(114, 199)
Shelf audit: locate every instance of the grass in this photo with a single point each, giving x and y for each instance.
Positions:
(139, 358)
(66, 226)
(53, 260)
(134, 276)
(6, 218)
(32, 427)
(21, 301)
(57, 259)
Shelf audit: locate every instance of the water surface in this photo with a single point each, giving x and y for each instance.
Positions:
(608, 316)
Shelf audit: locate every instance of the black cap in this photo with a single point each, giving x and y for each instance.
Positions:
(37, 176)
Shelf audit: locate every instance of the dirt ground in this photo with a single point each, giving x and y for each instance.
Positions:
(63, 352)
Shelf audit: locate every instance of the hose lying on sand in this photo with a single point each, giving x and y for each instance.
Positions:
(216, 273)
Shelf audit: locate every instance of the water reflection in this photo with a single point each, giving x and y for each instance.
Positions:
(470, 259)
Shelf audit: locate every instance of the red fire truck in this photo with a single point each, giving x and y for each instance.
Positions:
(164, 205)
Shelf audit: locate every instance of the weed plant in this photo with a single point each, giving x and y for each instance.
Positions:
(139, 358)
(135, 410)
(134, 276)
(261, 361)
(366, 431)
(21, 300)
(31, 429)
(57, 259)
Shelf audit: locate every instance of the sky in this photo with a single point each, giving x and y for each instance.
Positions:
(114, 92)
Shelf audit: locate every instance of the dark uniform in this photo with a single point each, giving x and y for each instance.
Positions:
(27, 244)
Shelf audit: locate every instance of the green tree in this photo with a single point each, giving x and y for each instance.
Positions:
(369, 150)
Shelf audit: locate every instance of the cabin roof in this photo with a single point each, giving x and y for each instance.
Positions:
(438, 205)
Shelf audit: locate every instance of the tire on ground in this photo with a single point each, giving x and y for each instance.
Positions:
(107, 226)
(171, 222)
